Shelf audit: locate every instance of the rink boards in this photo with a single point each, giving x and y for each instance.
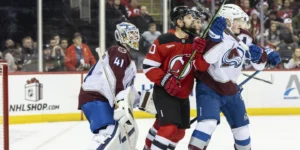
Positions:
(55, 96)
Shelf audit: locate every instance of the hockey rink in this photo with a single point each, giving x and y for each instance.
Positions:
(268, 133)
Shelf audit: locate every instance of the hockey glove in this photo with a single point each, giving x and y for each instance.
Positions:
(199, 44)
(171, 84)
(217, 28)
(273, 57)
(254, 53)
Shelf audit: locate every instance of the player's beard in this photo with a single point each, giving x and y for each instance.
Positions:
(190, 30)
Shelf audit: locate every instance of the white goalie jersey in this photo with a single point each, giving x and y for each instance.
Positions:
(121, 72)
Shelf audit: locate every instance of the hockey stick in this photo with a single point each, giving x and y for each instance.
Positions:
(203, 36)
(112, 92)
(260, 79)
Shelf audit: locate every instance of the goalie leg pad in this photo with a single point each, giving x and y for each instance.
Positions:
(202, 134)
(99, 114)
(107, 139)
(242, 138)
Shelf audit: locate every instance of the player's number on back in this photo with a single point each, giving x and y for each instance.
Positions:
(119, 62)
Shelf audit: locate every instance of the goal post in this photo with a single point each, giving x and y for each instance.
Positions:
(4, 110)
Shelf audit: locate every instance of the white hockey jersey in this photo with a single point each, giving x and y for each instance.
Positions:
(226, 59)
(121, 72)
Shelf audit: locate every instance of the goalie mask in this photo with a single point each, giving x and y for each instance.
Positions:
(128, 34)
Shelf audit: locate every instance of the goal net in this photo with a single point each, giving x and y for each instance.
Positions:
(4, 142)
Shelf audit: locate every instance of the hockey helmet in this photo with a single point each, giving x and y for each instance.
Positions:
(178, 13)
(231, 12)
(127, 33)
(197, 15)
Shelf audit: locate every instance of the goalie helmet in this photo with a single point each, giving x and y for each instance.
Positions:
(128, 34)
(231, 12)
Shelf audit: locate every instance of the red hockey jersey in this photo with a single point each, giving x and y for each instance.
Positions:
(169, 54)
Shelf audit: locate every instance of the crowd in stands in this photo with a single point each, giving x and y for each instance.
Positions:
(71, 53)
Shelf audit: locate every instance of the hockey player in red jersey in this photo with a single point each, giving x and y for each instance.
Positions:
(163, 64)
(108, 82)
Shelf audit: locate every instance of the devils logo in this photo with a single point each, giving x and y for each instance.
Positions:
(177, 64)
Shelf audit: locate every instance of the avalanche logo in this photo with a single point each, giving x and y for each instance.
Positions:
(233, 57)
(177, 64)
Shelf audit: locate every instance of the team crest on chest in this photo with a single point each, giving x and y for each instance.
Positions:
(122, 50)
(233, 57)
(177, 64)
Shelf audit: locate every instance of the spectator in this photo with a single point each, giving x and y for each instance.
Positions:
(9, 44)
(142, 20)
(294, 62)
(272, 17)
(57, 56)
(125, 3)
(287, 33)
(296, 23)
(148, 38)
(78, 56)
(121, 9)
(255, 24)
(277, 5)
(7, 55)
(56, 37)
(285, 11)
(272, 36)
(246, 7)
(50, 63)
(113, 18)
(64, 44)
(29, 60)
(133, 9)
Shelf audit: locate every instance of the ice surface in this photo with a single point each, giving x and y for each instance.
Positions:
(267, 133)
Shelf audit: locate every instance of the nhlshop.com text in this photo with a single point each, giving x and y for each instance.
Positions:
(32, 107)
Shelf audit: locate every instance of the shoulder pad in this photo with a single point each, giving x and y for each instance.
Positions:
(170, 37)
(166, 38)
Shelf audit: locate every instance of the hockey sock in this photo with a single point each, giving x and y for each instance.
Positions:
(202, 134)
(242, 138)
(151, 135)
(162, 140)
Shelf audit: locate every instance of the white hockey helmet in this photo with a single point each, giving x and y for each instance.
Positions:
(127, 33)
(231, 12)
